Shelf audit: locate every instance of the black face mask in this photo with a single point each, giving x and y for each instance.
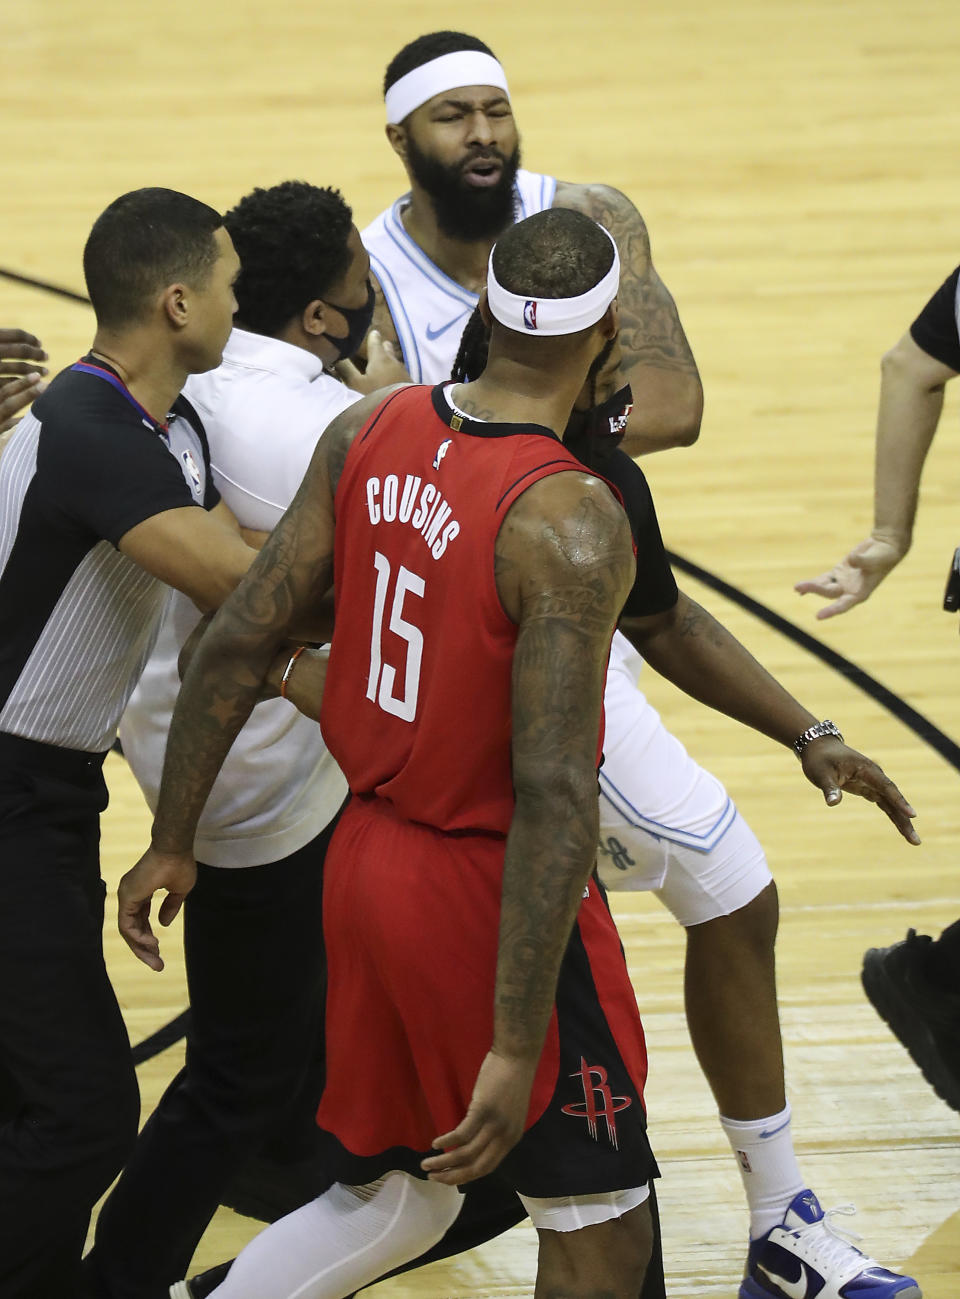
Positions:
(593, 435)
(358, 322)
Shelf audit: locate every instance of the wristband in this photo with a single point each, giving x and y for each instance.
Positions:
(288, 671)
(826, 727)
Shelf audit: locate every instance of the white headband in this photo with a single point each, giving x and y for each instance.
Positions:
(462, 68)
(552, 316)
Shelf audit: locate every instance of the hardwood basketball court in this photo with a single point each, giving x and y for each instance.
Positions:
(796, 164)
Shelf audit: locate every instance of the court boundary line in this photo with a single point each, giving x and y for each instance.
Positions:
(44, 285)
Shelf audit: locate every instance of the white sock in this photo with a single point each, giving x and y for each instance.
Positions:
(768, 1166)
(343, 1240)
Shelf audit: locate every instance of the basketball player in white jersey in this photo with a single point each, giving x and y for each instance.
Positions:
(665, 824)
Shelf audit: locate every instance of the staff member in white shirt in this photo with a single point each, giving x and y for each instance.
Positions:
(251, 932)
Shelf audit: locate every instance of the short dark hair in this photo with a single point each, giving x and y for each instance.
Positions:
(426, 48)
(144, 241)
(292, 243)
(558, 253)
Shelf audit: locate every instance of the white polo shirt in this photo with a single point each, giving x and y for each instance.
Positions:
(264, 409)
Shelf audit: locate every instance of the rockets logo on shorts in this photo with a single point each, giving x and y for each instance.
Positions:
(530, 313)
(598, 1101)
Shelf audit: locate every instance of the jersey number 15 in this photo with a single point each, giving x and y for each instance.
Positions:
(382, 677)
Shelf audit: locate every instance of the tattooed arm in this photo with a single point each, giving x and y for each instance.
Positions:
(292, 572)
(564, 563)
(658, 363)
(690, 648)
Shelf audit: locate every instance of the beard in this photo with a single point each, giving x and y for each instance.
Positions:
(464, 211)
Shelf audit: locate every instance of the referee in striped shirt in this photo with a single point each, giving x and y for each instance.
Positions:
(105, 497)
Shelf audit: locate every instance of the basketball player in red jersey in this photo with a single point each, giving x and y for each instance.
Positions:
(479, 1013)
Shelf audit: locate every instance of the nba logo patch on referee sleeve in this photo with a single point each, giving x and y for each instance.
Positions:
(530, 313)
(191, 473)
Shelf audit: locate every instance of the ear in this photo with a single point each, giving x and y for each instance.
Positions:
(313, 319)
(397, 137)
(174, 303)
(483, 306)
(609, 323)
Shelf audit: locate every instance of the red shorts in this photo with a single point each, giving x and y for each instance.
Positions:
(411, 919)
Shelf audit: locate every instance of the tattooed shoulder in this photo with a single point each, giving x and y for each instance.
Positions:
(651, 334)
(566, 545)
(615, 211)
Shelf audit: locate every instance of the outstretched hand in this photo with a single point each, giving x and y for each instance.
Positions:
(175, 872)
(492, 1126)
(854, 578)
(834, 767)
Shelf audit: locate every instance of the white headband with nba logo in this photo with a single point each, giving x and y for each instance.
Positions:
(550, 317)
(461, 68)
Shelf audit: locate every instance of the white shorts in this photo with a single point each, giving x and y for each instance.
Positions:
(571, 1212)
(666, 825)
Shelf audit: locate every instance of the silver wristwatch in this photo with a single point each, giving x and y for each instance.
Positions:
(826, 727)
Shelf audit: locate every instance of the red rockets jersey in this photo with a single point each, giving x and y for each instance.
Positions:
(416, 707)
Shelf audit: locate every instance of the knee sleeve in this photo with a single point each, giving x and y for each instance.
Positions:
(343, 1240)
(574, 1212)
(413, 1214)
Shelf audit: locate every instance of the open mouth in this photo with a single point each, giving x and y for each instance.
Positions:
(483, 172)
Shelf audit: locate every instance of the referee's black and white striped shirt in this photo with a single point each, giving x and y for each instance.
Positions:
(77, 618)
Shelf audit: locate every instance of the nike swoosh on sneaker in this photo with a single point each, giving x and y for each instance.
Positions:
(435, 333)
(773, 1131)
(793, 1289)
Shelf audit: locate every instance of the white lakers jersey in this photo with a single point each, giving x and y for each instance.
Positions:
(430, 310)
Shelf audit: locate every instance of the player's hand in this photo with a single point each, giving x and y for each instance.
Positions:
(21, 380)
(17, 350)
(384, 366)
(175, 872)
(15, 394)
(493, 1124)
(834, 767)
(855, 577)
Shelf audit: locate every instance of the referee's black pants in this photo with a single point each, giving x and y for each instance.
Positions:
(68, 1093)
(253, 944)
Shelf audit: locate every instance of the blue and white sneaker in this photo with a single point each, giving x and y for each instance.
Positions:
(806, 1257)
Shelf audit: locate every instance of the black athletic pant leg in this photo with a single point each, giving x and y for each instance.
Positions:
(68, 1101)
(254, 952)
